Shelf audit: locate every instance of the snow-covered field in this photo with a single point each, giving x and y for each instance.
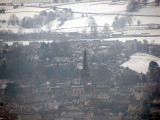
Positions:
(27, 42)
(102, 11)
(139, 62)
(151, 40)
(22, 12)
(79, 24)
(146, 32)
(20, 15)
(146, 20)
(97, 7)
(149, 10)
(26, 9)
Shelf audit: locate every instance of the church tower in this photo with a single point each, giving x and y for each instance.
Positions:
(85, 73)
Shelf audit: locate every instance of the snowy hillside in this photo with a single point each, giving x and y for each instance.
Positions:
(103, 12)
(22, 12)
(140, 62)
(97, 7)
(151, 40)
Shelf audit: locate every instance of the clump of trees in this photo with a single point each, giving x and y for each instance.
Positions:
(27, 22)
(38, 20)
(157, 2)
(20, 63)
(3, 72)
(12, 91)
(13, 20)
(106, 30)
(121, 22)
(149, 104)
(133, 6)
(64, 15)
(154, 72)
(102, 74)
(46, 17)
(93, 26)
(2, 10)
(133, 78)
(144, 2)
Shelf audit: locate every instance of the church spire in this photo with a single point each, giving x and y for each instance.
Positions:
(85, 73)
(85, 61)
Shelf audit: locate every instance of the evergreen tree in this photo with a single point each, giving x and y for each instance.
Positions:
(3, 70)
(12, 91)
(153, 72)
(93, 26)
(106, 30)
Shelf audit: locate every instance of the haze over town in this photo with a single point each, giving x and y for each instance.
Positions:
(79, 59)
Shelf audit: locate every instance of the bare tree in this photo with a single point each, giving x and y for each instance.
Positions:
(129, 19)
(13, 20)
(106, 30)
(84, 32)
(20, 30)
(139, 22)
(49, 26)
(93, 26)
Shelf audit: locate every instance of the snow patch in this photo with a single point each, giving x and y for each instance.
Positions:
(140, 62)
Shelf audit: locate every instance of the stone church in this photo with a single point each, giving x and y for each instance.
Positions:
(84, 85)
